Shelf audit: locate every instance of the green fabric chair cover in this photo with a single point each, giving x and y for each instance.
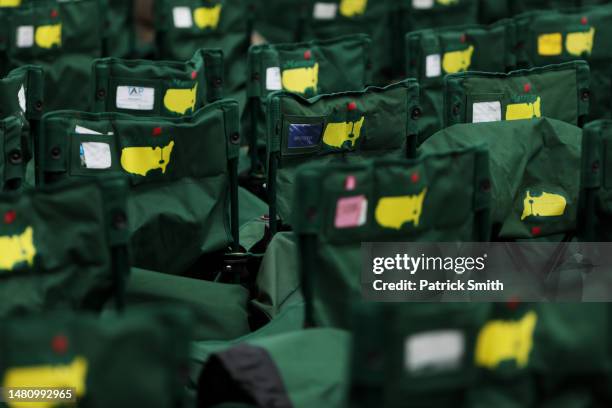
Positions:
(433, 53)
(555, 91)
(349, 126)
(63, 247)
(555, 36)
(182, 174)
(308, 69)
(264, 372)
(279, 21)
(184, 26)
(135, 359)
(338, 206)
(157, 88)
(120, 32)
(63, 37)
(376, 18)
(425, 14)
(15, 153)
(418, 354)
(528, 159)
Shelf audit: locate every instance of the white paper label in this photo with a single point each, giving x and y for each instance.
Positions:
(95, 155)
(21, 96)
(273, 79)
(422, 4)
(486, 112)
(325, 11)
(433, 68)
(439, 350)
(182, 17)
(135, 98)
(86, 131)
(25, 36)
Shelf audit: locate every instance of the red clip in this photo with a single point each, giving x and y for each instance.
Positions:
(157, 131)
(10, 216)
(59, 344)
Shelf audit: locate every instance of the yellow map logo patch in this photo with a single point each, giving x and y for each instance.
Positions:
(337, 134)
(580, 43)
(517, 111)
(48, 35)
(544, 205)
(351, 8)
(17, 249)
(299, 80)
(207, 17)
(47, 376)
(394, 212)
(10, 3)
(142, 160)
(181, 100)
(456, 61)
(501, 340)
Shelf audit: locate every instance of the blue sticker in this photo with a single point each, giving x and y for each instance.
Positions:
(304, 135)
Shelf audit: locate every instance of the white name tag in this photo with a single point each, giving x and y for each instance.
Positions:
(25, 36)
(486, 112)
(440, 350)
(95, 155)
(325, 11)
(21, 96)
(135, 98)
(182, 17)
(433, 68)
(422, 4)
(273, 79)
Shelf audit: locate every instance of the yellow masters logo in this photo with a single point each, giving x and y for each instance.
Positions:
(393, 212)
(207, 17)
(73, 375)
(580, 43)
(456, 61)
(48, 35)
(501, 340)
(337, 134)
(544, 205)
(517, 111)
(447, 2)
(351, 8)
(142, 160)
(181, 100)
(17, 249)
(10, 3)
(299, 80)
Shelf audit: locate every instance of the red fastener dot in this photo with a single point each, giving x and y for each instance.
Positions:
(463, 38)
(307, 54)
(59, 344)
(584, 20)
(527, 87)
(54, 13)
(513, 303)
(536, 231)
(414, 177)
(194, 75)
(157, 131)
(10, 216)
(351, 106)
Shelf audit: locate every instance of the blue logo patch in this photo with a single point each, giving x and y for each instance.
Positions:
(304, 135)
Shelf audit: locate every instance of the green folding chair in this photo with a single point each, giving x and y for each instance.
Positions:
(157, 88)
(182, 175)
(342, 127)
(555, 91)
(134, 359)
(184, 26)
(555, 36)
(63, 247)
(63, 37)
(431, 54)
(339, 206)
(307, 69)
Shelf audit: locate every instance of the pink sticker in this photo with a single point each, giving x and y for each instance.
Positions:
(351, 212)
(351, 183)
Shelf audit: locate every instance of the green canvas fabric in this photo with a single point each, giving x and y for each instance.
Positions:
(157, 88)
(184, 26)
(433, 53)
(182, 176)
(423, 353)
(279, 21)
(375, 18)
(21, 91)
(348, 126)
(308, 69)
(134, 359)
(120, 32)
(63, 247)
(264, 372)
(219, 310)
(419, 15)
(555, 91)
(63, 37)
(15, 153)
(528, 158)
(555, 36)
(338, 206)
